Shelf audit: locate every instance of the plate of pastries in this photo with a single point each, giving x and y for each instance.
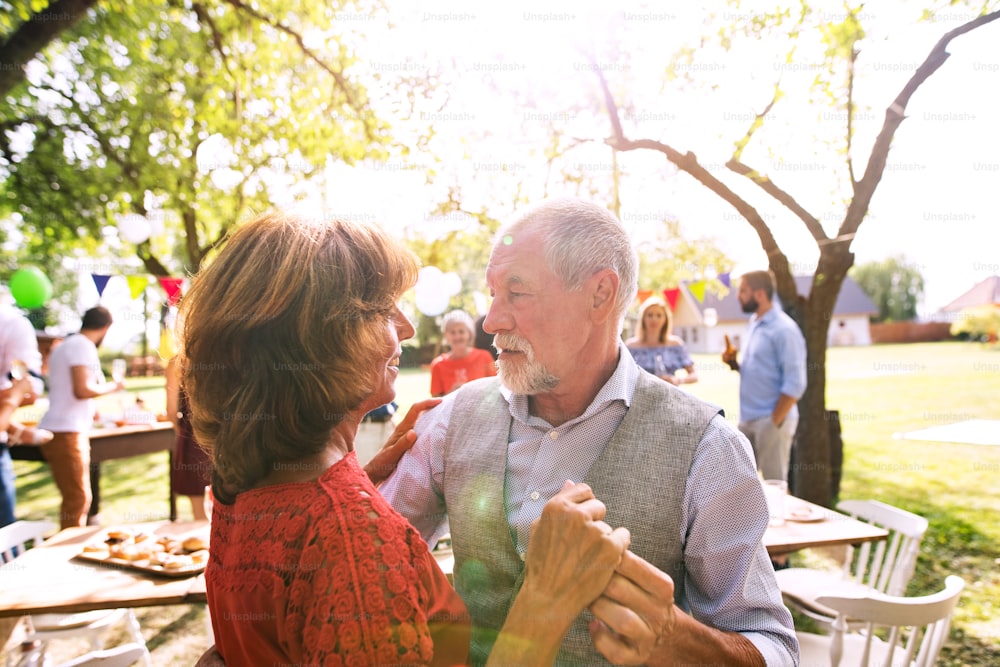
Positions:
(167, 555)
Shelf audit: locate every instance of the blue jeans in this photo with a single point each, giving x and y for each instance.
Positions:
(8, 492)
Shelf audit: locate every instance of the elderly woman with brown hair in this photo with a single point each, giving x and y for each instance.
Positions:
(289, 337)
(656, 349)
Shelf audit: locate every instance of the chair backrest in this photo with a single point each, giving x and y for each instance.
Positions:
(15, 537)
(918, 626)
(885, 566)
(119, 656)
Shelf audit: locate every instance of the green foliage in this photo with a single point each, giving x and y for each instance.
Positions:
(893, 284)
(669, 259)
(187, 114)
(980, 322)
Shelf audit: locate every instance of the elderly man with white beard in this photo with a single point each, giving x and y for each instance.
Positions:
(696, 585)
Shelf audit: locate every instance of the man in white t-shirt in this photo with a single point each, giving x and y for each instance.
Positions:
(75, 378)
(17, 343)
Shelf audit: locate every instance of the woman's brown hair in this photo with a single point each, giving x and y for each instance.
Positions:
(280, 335)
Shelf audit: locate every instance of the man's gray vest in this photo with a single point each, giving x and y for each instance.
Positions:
(640, 477)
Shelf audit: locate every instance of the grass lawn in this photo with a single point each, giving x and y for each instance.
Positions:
(879, 391)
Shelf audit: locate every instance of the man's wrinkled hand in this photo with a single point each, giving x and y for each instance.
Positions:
(635, 617)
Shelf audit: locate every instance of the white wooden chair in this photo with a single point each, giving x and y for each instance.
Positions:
(885, 566)
(43, 628)
(917, 628)
(119, 656)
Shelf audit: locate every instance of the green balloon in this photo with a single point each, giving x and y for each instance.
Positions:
(30, 287)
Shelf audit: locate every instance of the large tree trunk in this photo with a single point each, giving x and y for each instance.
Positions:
(813, 476)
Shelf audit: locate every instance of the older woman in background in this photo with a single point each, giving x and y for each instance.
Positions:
(656, 349)
(290, 336)
(464, 362)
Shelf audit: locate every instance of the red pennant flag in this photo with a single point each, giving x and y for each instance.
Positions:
(100, 282)
(671, 296)
(172, 286)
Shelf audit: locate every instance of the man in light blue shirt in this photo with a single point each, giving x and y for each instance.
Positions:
(772, 375)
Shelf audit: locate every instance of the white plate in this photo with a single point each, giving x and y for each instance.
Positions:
(805, 515)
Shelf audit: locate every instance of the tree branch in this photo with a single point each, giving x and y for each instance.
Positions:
(894, 115)
(205, 17)
(757, 122)
(688, 162)
(34, 35)
(338, 77)
(783, 197)
(850, 114)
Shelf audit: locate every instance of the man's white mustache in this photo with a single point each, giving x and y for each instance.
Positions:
(509, 343)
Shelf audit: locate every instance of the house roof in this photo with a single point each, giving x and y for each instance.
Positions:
(984, 293)
(851, 301)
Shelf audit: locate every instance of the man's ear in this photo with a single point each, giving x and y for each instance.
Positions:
(604, 292)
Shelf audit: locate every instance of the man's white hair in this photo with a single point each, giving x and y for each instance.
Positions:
(582, 238)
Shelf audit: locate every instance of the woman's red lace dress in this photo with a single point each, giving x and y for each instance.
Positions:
(327, 573)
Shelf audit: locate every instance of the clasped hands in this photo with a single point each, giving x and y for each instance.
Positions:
(576, 561)
(581, 562)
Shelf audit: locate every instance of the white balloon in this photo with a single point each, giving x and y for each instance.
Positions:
(134, 228)
(429, 275)
(431, 302)
(451, 283)
(482, 303)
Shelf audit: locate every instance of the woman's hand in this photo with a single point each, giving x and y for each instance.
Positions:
(572, 552)
(402, 438)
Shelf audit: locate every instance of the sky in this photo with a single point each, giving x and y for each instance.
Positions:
(936, 203)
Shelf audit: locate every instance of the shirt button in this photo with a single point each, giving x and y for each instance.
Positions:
(535, 495)
(524, 556)
(554, 435)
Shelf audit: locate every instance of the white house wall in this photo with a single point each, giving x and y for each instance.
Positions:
(704, 340)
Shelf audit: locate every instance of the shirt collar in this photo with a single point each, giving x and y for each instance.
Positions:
(766, 317)
(619, 387)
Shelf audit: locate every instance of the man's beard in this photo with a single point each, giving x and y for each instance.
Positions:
(750, 306)
(528, 377)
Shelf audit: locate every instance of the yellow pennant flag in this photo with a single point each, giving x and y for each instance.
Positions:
(168, 348)
(698, 290)
(136, 284)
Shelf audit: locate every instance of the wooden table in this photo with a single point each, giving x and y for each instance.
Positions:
(118, 443)
(48, 580)
(835, 529)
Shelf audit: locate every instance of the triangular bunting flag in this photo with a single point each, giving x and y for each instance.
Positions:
(644, 294)
(697, 290)
(724, 279)
(172, 286)
(136, 284)
(100, 282)
(168, 348)
(671, 296)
